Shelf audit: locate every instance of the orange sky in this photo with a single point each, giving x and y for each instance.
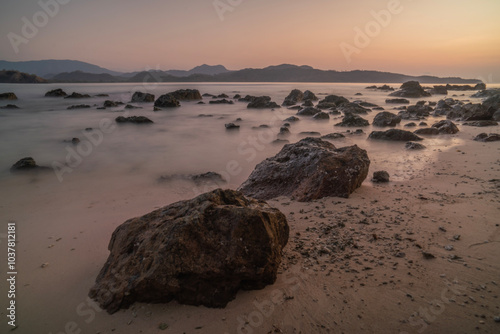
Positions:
(440, 37)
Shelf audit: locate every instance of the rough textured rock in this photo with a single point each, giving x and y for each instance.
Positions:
(307, 170)
(262, 102)
(484, 137)
(353, 120)
(308, 103)
(397, 101)
(142, 97)
(26, 164)
(248, 98)
(75, 95)
(444, 106)
(427, 131)
(186, 94)
(487, 93)
(493, 101)
(383, 88)
(167, 101)
(439, 90)
(416, 112)
(386, 118)
(8, 96)
(309, 111)
(111, 104)
(56, 93)
(353, 108)
(410, 89)
(323, 116)
(78, 106)
(446, 127)
(231, 126)
(394, 135)
(333, 136)
(223, 101)
(481, 123)
(197, 252)
(284, 132)
(381, 177)
(496, 116)
(326, 105)
(471, 112)
(335, 99)
(133, 119)
(414, 146)
(292, 119)
(308, 95)
(294, 97)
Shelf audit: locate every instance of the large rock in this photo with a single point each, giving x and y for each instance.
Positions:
(8, 96)
(493, 102)
(186, 94)
(308, 95)
(321, 116)
(471, 112)
(293, 98)
(353, 108)
(386, 118)
(352, 120)
(197, 252)
(394, 135)
(26, 164)
(410, 89)
(336, 100)
(484, 137)
(487, 93)
(262, 102)
(167, 101)
(56, 93)
(446, 127)
(309, 170)
(143, 97)
(308, 111)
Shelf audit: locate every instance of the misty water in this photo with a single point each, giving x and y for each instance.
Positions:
(180, 142)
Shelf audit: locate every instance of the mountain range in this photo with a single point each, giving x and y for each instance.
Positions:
(77, 71)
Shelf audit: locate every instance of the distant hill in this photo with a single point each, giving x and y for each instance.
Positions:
(79, 76)
(49, 68)
(19, 77)
(203, 69)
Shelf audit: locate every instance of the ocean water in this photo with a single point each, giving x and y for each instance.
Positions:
(180, 142)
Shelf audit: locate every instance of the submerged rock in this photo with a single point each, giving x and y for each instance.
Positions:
(446, 127)
(481, 123)
(351, 120)
(197, 252)
(26, 164)
(386, 118)
(142, 97)
(309, 170)
(308, 111)
(8, 96)
(10, 106)
(167, 101)
(77, 96)
(394, 135)
(353, 108)
(292, 119)
(262, 102)
(133, 119)
(333, 136)
(78, 106)
(410, 89)
(56, 93)
(427, 131)
(231, 126)
(322, 116)
(223, 101)
(414, 146)
(397, 101)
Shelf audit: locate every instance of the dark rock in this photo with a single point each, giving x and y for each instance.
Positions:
(10, 106)
(308, 95)
(133, 119)
(465, 87)
(237, 96)
(427, 131)
(201, 102)
(186, 94)
(380, 177)
(386, 118)
(284, 132)
(232, 126)
(353, 120)
(333, 136)
(110, 104)
(493, 102)
(156, 109)
(223, 101)
(139, 97)
(208, 95)
(260, 127)
(310, 134)
(294, 97)
(208, 178)
(248, 98)
(358, 94)
(262, 102)
(410, 125)
(308, 103)
(129, 106)
(383, 88)
(487, 93)
(78, 106)
(309, 111)
(422, 124)
(326, 105)
(280, 141)
(481, 123)
(294, 108)
(496, 116)
(483, 137)
(56, 93)
(26, 164)
(394, 135)
(321, 116)
(197, 252)
(471, 112)
(368, 105)
(439, 90)
(397, 101)
(75, 141)
(480, 86)
(446, 127)
(414, 146)
(8, 96)
(309, 170)
(292, 119)
(410, 89)
(167, 101)
(221, 96)
(353, 108)
(77, 96)
(336, 100)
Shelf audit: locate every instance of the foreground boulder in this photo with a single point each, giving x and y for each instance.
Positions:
(167, 101)
(293, 98)
(186, 94)
(143, 97)
(26, 164)
(394, 135)
(308, 95)
(386, 118)
(8, 96)
(471, 112)
(197, 252)
(56, 93)
(410, 89)
(381, 177)
(446, 127)
(309, 170)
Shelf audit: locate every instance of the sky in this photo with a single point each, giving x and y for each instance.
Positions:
(416, 37)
